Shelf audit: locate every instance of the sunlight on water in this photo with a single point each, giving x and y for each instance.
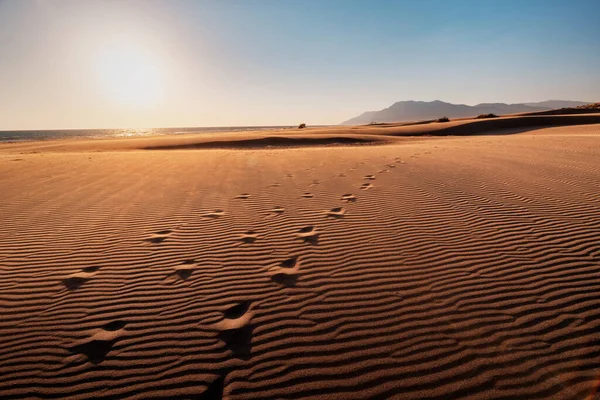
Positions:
(135, 132)
(20, 136)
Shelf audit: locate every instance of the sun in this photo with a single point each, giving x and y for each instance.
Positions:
(129, 77)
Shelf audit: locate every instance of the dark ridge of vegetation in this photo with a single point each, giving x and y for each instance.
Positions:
(590, 106)
(481, 116)
(302, 126)
(443, 119)
(273, 142)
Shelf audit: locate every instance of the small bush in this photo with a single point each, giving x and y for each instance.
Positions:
(302, 126)
(480, 116)
(443, 119)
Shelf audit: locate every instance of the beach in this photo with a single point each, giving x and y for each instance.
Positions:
(326, 263)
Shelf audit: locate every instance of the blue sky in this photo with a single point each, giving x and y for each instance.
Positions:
(97, 64)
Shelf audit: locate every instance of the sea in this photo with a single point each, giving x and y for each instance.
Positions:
(24, 136)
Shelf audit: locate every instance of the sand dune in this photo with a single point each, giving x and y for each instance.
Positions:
(321, 136)
(428, 268)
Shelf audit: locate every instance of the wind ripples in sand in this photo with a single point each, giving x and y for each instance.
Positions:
(469, 269)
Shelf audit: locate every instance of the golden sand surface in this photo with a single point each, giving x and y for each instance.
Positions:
(432, 267)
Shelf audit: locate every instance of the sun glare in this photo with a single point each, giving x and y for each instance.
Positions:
(129, 77)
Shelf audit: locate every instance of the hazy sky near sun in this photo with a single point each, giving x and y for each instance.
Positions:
(120, 63)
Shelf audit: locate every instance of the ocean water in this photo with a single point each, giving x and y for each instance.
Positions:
(21, 136)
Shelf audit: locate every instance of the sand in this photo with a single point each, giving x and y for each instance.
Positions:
(408, 268)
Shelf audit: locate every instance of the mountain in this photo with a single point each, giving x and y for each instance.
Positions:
(425, 110)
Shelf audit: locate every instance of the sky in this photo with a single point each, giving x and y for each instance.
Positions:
(71, 64)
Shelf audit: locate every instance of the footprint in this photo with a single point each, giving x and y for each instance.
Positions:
(335, 212)
(243, 196)
(218, 213)
(159, 236)
(214, 389)
(184, 271)
(235, 329)
(76, 280)
(239, 341)
(277, 210)
(349, 198)
(366, 186)
(156, 239)
(288, 280)
(235, 317)
(237, 311)
(114, 326)
(248, 237)
(308, 234)
(286, 273)
(307, 196)
(97, 347)
(314, 183)
(369, 177)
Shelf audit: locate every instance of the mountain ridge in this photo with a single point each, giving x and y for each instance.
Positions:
(413, 110)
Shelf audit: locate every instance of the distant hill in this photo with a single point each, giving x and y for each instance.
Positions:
(425, 110)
